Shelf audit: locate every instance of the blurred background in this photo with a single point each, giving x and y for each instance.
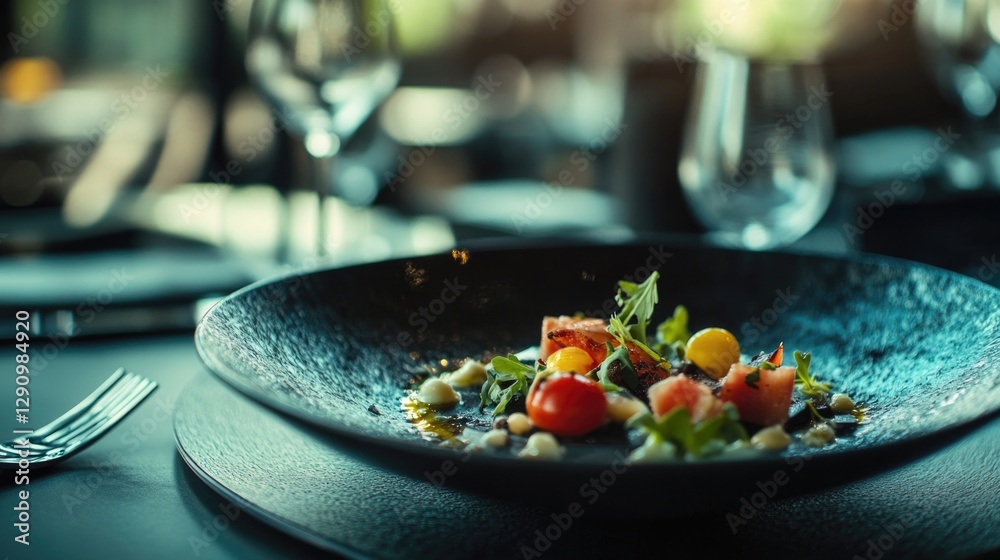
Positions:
(175, 145)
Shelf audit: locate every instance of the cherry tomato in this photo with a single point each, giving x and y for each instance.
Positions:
(567, 404)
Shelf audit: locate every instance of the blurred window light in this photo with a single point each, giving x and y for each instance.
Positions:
(423, 116)
(503, 84)
(426, 26)
(776, 29)
(975, 91)
(357, 184)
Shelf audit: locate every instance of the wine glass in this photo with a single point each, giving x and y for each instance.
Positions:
(960, 41)
(324, 66)
(757, 162)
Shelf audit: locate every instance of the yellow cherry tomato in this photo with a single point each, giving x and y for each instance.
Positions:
(570, 359)
(714, 351)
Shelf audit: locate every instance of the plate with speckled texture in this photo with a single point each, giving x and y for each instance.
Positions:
(337, 349)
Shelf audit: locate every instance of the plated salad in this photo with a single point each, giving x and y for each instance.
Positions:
(667, 392)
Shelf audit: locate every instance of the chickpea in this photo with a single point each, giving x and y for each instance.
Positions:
(772, 438)
(841, 403)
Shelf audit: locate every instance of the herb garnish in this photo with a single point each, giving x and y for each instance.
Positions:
(624, 365)
(508, 378)
(637, 302)
(676, 428)
(673, 333)
(752, 378)
(819, 417)
(808, 383)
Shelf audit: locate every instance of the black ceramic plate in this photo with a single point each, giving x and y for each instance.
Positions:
(920, 347)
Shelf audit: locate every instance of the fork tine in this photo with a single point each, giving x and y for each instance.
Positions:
(82, 425)
(106, 409)
(80, 408)
(122, 386)
(109, 421)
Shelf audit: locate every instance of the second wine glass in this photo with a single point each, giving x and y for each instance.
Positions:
(325, 65)
(757, 160)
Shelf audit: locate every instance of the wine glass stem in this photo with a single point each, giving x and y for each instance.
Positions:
(323, 168)
(323, 148)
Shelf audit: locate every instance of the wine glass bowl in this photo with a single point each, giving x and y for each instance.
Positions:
(324, 66)
(327, 63)
(757, 165)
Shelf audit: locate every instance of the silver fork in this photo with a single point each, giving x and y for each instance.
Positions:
(84, 424)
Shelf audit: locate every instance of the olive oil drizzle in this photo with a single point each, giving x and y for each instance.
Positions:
(427, 422)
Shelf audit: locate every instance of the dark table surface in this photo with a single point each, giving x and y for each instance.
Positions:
(130, 495)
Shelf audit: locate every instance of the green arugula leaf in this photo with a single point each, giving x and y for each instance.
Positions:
(675, 329)
(645, 422)
(676, 428)
(637, 306)
(511, 365)
(724, 427)
(752, 379)
(620, 357)
(672, 334)
(509, 378)
(641, 301)
(624, 334)
(808, 383)
(768, 366)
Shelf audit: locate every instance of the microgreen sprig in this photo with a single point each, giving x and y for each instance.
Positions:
(807, 383)
(507, 379)
(637, 302)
